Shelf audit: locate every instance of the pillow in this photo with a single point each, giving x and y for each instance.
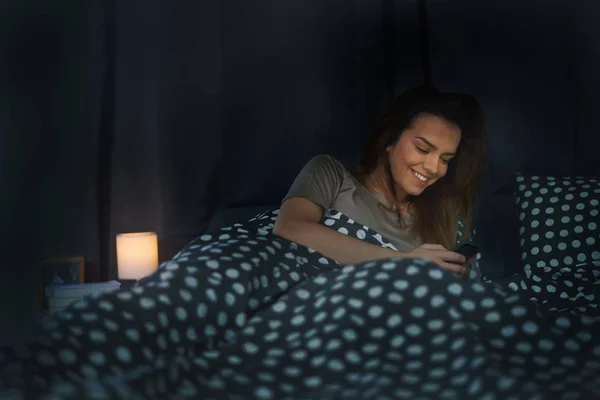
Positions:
(559, 223)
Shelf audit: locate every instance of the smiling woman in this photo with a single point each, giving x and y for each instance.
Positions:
(416, 180)
(421, 155)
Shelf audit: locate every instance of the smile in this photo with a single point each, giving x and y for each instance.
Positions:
(420, 177)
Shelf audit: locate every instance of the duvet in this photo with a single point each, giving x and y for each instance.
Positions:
(244, 314)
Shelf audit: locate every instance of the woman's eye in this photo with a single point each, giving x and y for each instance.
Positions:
(445, 161)
(422, 150)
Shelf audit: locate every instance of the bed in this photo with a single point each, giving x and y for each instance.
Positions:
(241, 313)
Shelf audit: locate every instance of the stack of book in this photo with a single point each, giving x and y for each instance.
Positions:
(60, 296)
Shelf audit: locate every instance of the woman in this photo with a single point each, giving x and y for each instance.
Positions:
(417, 178)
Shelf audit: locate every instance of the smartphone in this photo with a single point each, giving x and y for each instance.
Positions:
(469, 251)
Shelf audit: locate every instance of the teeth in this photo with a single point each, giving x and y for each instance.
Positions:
(421, 177)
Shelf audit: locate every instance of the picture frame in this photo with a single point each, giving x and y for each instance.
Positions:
(59, 271)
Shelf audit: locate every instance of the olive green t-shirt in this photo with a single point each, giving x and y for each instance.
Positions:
(326, 182)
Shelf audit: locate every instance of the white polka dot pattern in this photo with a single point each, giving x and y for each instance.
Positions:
(559, 221)
(244, 314)
(560, 242)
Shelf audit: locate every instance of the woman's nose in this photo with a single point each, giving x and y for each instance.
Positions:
(431, 165)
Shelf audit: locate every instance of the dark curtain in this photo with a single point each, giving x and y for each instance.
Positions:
(52, 61)
(165, 155)
(297, 78)
(584, 64)
(131, 184)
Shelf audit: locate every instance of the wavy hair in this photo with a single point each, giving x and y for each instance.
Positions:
(437, 210)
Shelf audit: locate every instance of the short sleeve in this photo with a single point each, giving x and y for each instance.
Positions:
(319, 181)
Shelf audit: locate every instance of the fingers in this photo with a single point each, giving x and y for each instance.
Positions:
(452, 267)
(455, 257)
(448, 260)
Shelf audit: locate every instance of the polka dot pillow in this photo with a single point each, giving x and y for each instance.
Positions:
(558, 221)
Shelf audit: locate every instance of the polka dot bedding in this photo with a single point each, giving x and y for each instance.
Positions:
(559, 221)
(560, 239)
(243, 314)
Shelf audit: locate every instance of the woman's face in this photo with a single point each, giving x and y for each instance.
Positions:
(420, 156)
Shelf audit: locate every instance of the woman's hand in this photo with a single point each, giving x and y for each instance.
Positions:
(441, 256)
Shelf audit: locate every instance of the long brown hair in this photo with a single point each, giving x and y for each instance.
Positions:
(437, 210)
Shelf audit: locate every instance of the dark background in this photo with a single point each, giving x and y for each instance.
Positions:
(151, 115)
